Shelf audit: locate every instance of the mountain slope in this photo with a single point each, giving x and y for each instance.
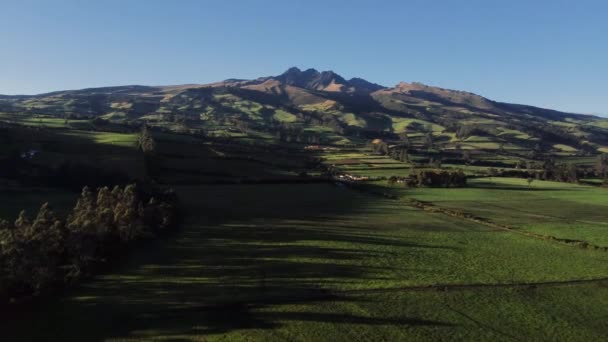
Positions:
(314, 101)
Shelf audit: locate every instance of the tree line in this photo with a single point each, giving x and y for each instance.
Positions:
(431, 178)
(550, 170)
(39, 255)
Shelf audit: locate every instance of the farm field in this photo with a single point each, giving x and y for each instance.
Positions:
(562, 210)
(362, 162)
(323, 262)
(45, 121)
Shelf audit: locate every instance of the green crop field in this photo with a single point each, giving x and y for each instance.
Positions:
(330, 263)
(118, 139)
(561, 210)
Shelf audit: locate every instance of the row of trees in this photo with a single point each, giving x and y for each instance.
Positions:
(400, 154)
(568, 172)
(401, 150)
(431, 178)
(41, 254)
(465, 131)
(298, 136)
(559, 172)
(549, 171)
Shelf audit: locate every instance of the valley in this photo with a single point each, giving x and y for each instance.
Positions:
(317, 208)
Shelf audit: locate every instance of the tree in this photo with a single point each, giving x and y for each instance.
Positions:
(44, 247)
(493, 172)
(403, 157)
(104, 209)
(84, 211)
(529, 165)
(146, 141)
(181, 121)
(466, 156)
(4, 225)
(128, 215)
(405, 139)
(530, 180)
(32, 252)
(22, 221)
(428, 140)
(549, 169)
(442, 178)
(384, 148)
(465, 131)
(572, 173)
(601, 166)
(45, 220)
(99, 122)
(36, 255)
(379, 146)
(437, 163)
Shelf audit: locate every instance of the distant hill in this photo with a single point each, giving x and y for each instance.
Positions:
(337, 109)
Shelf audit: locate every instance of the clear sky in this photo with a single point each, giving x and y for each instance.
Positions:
(548, 53)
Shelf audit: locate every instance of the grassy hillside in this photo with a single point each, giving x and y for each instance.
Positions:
(298, 103)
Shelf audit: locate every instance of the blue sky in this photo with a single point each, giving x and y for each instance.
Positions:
(546, 53)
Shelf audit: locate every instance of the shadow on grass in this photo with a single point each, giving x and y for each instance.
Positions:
(246, 254)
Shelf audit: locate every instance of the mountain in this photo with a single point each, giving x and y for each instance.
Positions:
(329, 81)
(418, 91)
(338, 109)
(313, 80)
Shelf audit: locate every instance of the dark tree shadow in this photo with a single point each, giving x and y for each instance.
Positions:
(243, 248)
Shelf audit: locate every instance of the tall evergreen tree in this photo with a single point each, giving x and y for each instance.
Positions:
(22, 222)
(146, 141)
(601, 166)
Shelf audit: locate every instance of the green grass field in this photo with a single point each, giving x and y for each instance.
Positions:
(320, 262)
(106, 138)
(284, 116)
(45, 121)
(561, 210)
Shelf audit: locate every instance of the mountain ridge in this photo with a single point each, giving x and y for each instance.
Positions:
(310, 79)
(307, 100)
